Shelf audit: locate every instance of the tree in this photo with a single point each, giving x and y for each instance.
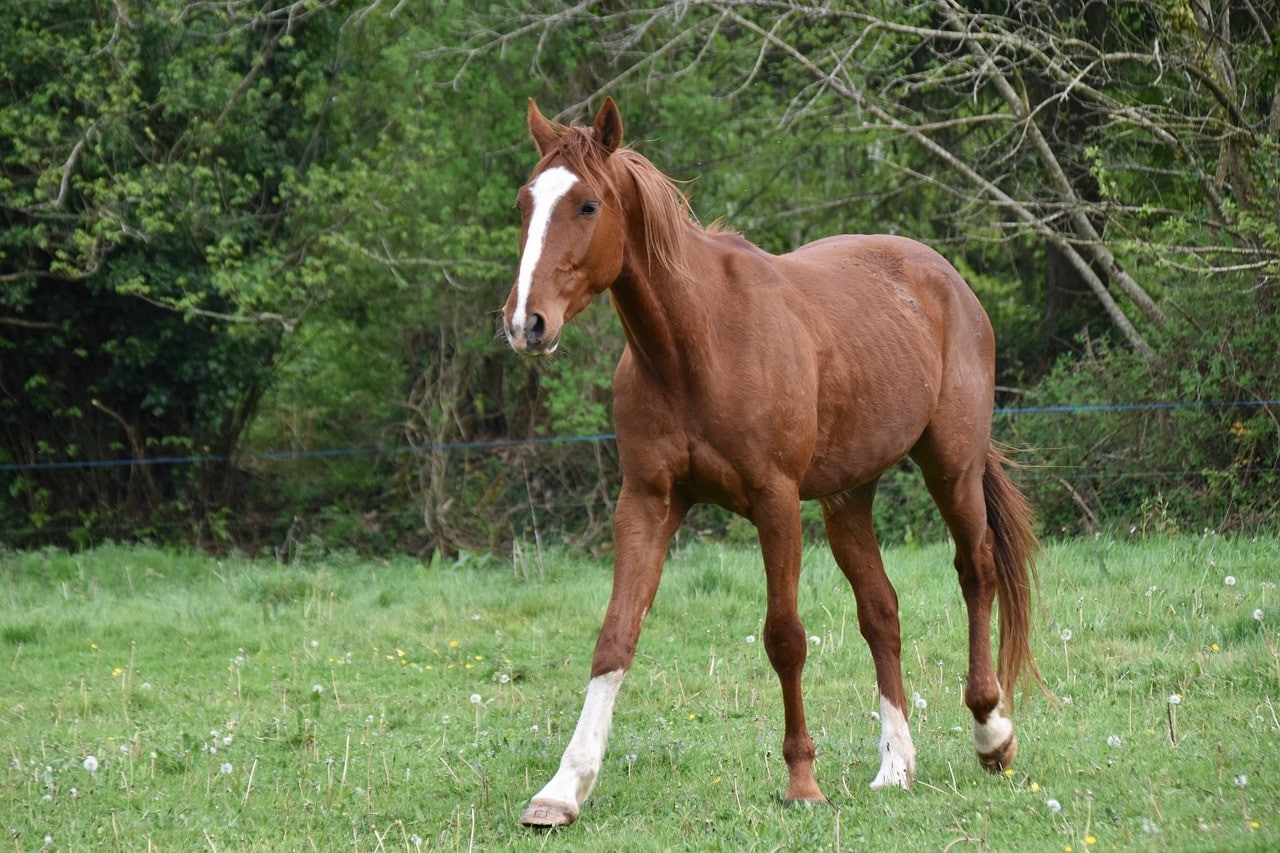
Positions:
(1096, 130)
(148, 273)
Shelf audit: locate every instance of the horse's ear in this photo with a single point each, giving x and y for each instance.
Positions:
(608, 127)
(543, 130)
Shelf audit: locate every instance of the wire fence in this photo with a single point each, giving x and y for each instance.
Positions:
(527, 507)
(444, 447)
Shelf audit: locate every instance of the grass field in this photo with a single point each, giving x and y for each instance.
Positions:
(177, 701)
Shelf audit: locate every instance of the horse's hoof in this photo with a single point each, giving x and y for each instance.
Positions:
(547, 814)
(1000, 758)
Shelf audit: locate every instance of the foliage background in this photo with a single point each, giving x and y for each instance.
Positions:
(272, 237)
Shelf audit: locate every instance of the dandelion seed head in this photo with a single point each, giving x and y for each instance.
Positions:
(1066, 635)
(225, 769)
(1241, 780)
(1114, 741)
(751, 638)
(1053, 805)
(1150, 827)
(1229, 580)
(920, 702)
(1257, 614)
(1175, 699)
(816, 640)
(475, 699)
(317, 689)
(91, 764)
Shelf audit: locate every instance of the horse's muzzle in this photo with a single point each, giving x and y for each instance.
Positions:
(531, 338)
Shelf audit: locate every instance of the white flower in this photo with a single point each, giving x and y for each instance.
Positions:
(91, 764)
(1066, 635)
(1229, 580)
(920, 703)
(225, 769)
(1053, 805)
(1114, 741)
(1242, 780)
(534, 728)
(504, 678)
(816, 640)
(1175, 699)
(317, 689)
(475, 699)
(315, 644)
(1257, 614)
(751, 638)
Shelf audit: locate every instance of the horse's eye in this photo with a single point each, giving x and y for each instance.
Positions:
(589, 207)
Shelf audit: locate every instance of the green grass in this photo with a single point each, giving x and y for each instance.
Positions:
(341, 703)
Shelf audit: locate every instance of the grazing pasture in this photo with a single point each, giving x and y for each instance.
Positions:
(181, 701)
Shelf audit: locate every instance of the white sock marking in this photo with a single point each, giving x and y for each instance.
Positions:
(897, 752)
(547, 190)
(991, 735)
(581, 762)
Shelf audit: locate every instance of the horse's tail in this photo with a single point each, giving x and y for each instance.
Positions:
(1010, 518)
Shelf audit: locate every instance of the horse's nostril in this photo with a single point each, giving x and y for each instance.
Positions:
(537, 327)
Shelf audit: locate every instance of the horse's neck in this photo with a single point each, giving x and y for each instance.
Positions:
(665, 318)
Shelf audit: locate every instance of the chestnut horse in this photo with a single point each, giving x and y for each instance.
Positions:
(755, 381)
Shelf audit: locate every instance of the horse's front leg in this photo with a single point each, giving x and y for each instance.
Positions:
(777, 519)
(643, 525)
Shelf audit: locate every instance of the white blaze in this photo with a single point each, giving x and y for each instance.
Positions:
(546, 191)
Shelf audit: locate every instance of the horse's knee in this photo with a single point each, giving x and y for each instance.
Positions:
(785, 642)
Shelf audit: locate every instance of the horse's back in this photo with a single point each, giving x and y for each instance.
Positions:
(874, 279)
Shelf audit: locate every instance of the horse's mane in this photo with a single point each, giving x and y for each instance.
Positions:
(664, 209)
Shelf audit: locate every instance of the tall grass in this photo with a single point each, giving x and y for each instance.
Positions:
(339, 703)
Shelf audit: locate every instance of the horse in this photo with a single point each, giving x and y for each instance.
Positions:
(757, 381)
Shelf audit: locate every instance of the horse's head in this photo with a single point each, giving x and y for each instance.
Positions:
(571, 237)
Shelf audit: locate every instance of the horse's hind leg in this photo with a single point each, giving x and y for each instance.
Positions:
(853, 542)
(953, 471)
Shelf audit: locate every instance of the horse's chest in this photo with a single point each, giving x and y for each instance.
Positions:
(714, 477)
